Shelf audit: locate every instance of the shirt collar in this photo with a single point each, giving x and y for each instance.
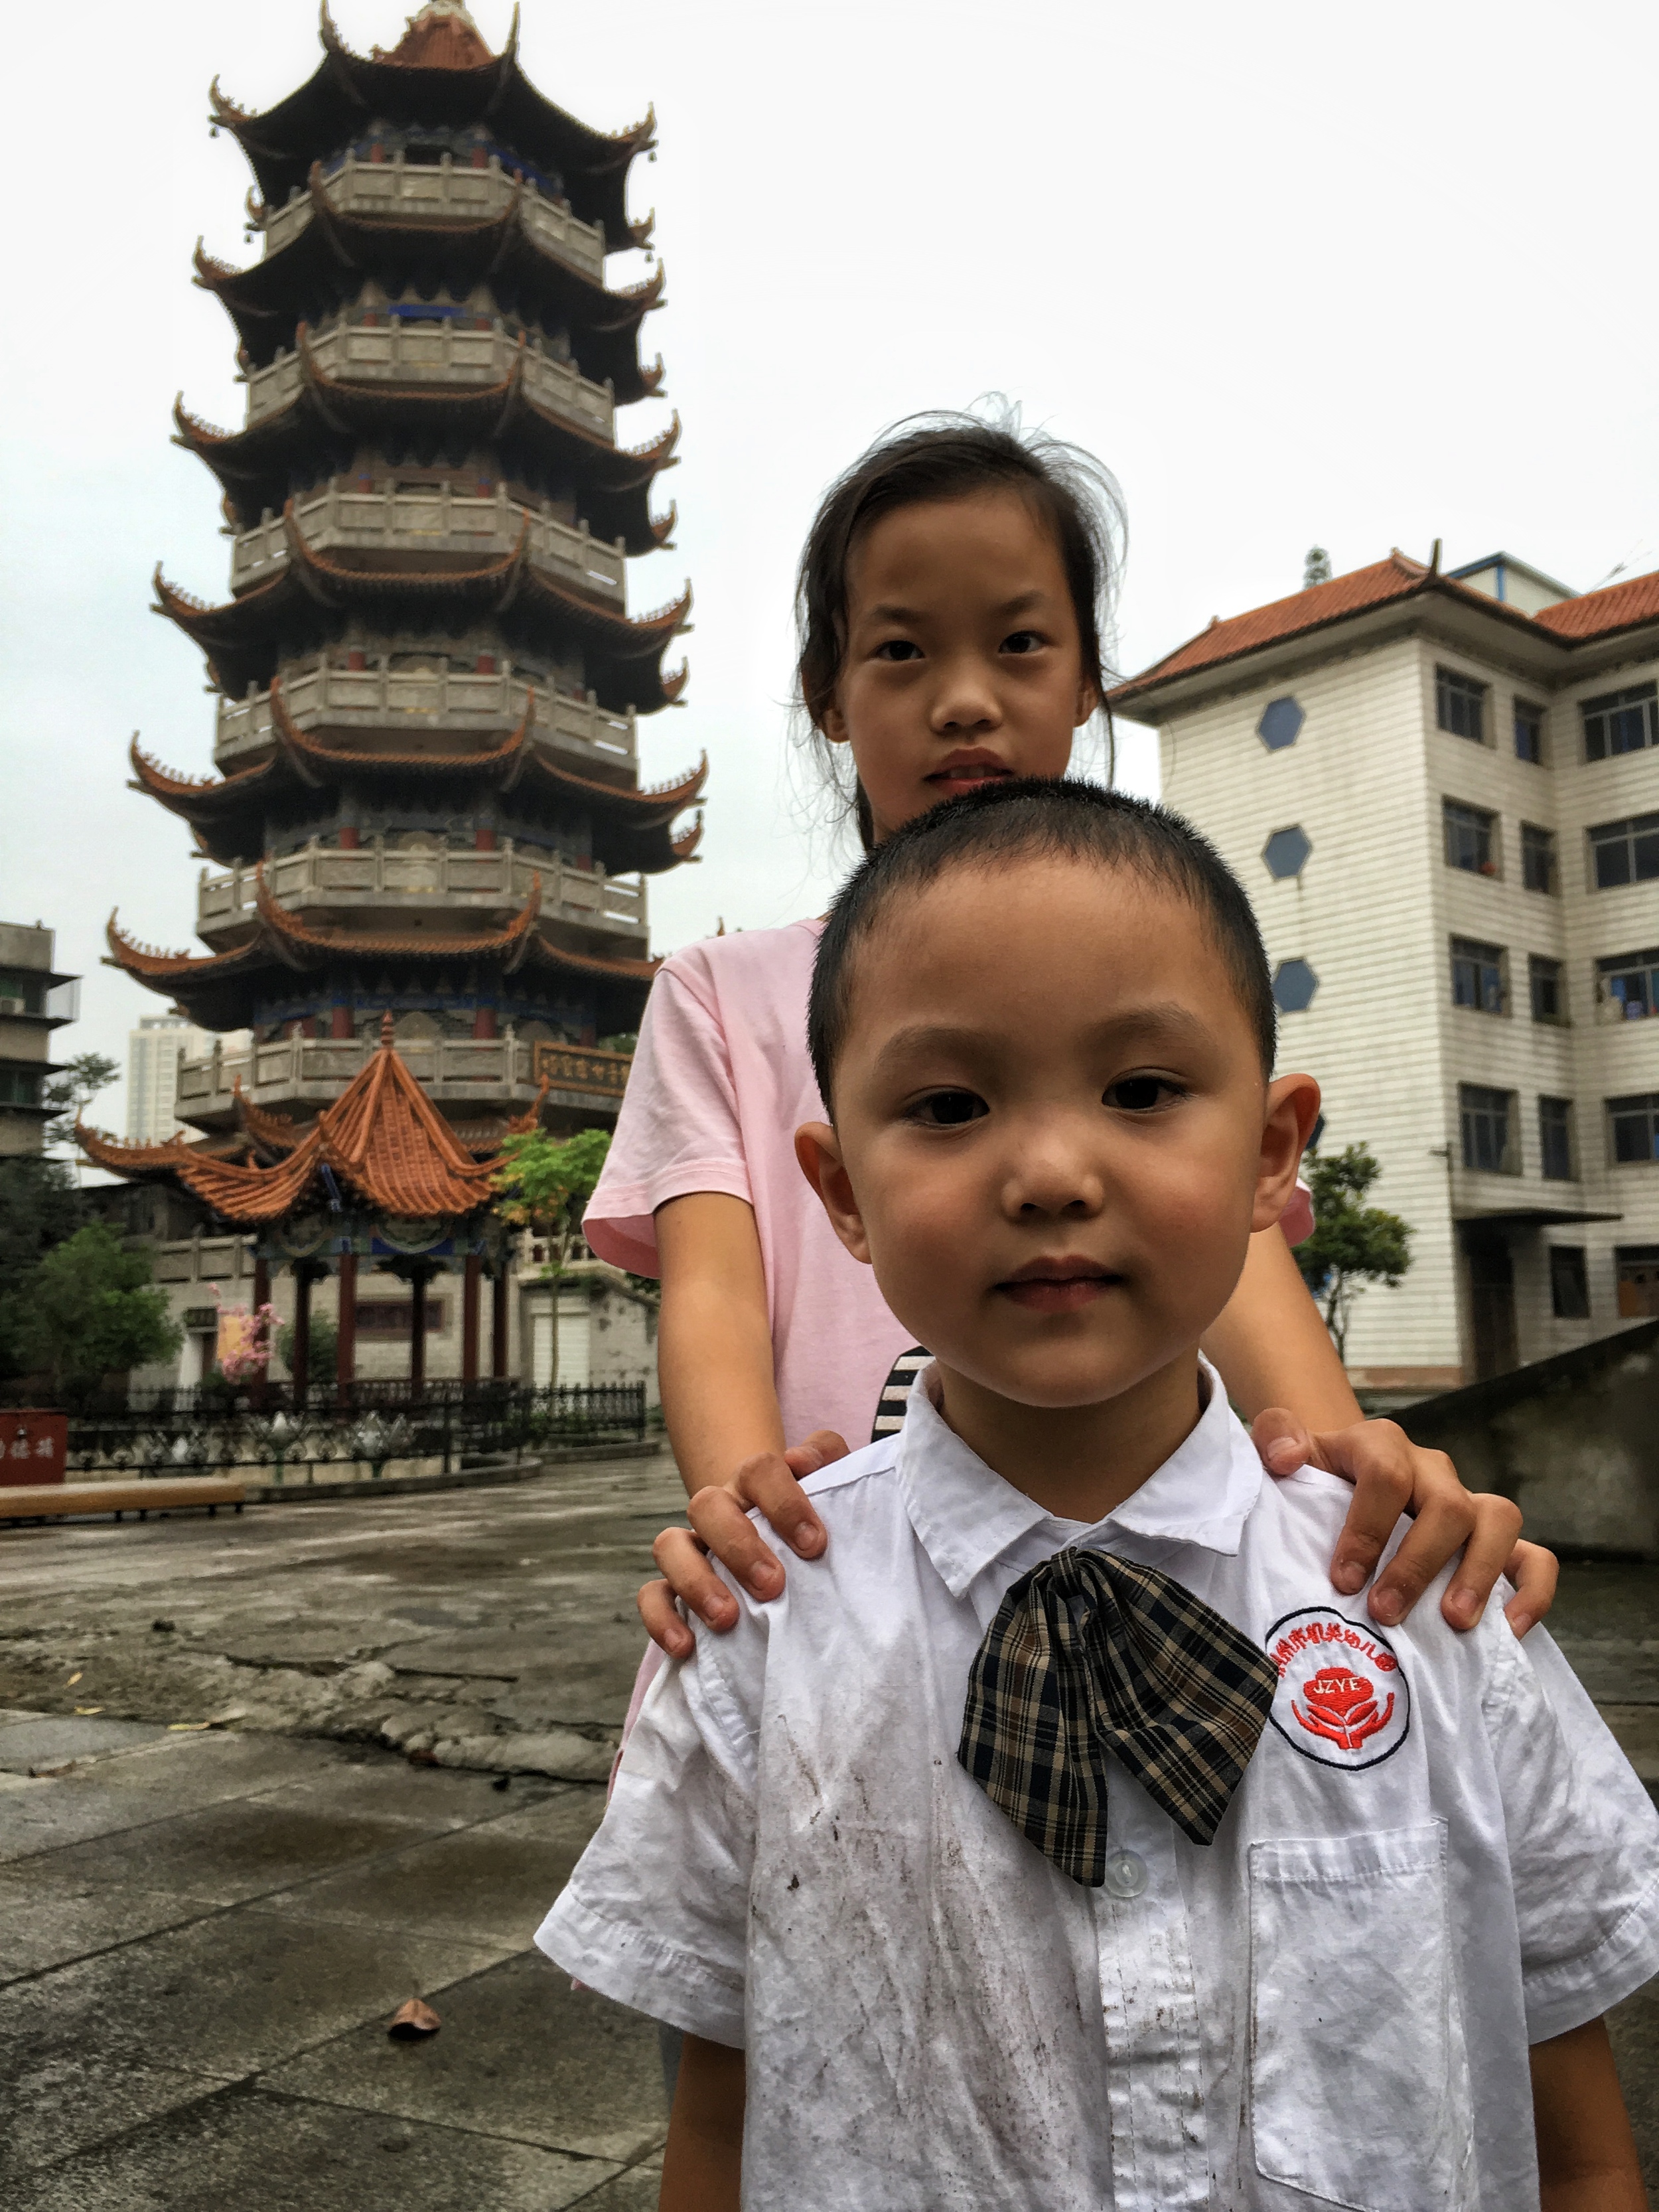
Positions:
(966, 1515)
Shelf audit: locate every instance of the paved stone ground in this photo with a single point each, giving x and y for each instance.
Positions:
(204, 1930)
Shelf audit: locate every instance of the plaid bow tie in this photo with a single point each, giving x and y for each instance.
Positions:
(1088, 1655)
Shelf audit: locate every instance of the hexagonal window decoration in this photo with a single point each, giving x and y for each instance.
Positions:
(1280, 724)
(1286, 852)
(1294, 985)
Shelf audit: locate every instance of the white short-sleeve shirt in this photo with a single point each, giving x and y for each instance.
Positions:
(1438, 1854)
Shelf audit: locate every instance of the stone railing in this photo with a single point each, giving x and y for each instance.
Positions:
(377, 346)
(369, 875)
(307, 1073)
(439, 700)
(419, 193)
(479, 528)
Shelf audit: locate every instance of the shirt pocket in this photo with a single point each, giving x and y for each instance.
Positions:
(1359, 2088)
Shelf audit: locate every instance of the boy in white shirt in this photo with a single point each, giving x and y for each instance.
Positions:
(1055, 1841)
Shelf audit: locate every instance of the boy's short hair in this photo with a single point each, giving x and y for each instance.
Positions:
(1002, 822)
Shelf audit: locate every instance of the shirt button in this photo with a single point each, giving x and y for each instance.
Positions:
(1125, 1874)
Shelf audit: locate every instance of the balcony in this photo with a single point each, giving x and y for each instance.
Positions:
(463, 882)
(439, 354)
(464, 1075)
(411, 702)
(471, 529)
(420, 194)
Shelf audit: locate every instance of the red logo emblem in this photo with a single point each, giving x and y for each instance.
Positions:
(1343, 1707)
(1343, 1698)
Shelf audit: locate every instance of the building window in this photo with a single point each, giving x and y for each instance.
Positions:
(1286, 852)
(1624, 852)
(1537, 858)
(1280, 724)
(1555, 1139)
(1461, 705)
(1487, 1122)
(20, 994)
(1477, 976)
(1638, 1282)
(1627, 985)
(1471, 835)
(1528, 732)
(1549, 999)
(19, 1088)
(1633, 1127)
(392, 1316)
(1294, 985)
(1620, 721)
(1569, 1283)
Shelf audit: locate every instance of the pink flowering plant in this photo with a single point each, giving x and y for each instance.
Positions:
(244, 1340)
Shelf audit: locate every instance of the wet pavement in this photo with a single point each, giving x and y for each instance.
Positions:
(340, 1755)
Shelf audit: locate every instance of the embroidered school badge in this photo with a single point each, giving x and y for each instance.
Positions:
(1343, 1699)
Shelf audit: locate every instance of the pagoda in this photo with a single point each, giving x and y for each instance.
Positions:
(427, 808)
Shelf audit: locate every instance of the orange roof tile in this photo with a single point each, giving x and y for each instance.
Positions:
(1396, 577)
(382, 1137)
(1595, 614)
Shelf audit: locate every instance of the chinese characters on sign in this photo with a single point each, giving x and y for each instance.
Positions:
(34, 1448)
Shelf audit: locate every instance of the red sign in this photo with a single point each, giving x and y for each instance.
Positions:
(34, 1448)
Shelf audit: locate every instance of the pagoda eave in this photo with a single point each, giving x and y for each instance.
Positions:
(346, 90)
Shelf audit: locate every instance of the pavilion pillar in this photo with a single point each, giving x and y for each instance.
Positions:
(498, 1326)
(417, 1282)
(469, 1318)
(301, 1364)
(261, 1298)
(345, 1366)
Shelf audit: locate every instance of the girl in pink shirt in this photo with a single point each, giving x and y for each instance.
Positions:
(950, 601)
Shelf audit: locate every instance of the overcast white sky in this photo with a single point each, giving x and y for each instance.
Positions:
(1296, 272)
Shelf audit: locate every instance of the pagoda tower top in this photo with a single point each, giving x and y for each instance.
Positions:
(441, 75)
(442, 35)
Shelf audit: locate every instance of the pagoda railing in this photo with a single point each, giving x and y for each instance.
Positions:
(419, 193)
(422, 699)
(457, 1071)
(441, 520)
(324, 875)
(380, 346)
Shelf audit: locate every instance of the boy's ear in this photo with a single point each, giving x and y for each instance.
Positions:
(1292, 1108)
(1087, 699)
(818, 1150)
(834, 725)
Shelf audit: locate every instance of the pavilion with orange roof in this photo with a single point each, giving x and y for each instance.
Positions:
(379, 1177)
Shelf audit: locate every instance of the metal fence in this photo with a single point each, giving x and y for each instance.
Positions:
(199, 1431)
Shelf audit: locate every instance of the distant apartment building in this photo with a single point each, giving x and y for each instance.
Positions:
(34, 999)
(154, 1051)
(1442, 791)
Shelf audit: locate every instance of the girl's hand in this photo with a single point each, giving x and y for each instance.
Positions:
(720, 1524)
(1391, 1475)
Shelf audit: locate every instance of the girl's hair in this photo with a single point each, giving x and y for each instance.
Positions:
(947, 456)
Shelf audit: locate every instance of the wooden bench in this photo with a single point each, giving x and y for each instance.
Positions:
(167, 1494)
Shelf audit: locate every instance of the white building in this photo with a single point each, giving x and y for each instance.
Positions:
(154, 1049)
(1442, 792)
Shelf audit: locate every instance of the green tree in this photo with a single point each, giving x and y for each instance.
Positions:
(1352, 1243)
(545, 1181)
(76, 1087)
(324, 1350)
(90, 1310)
(39, 1207)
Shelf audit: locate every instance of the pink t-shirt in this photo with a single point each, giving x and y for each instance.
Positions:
(721, 1083)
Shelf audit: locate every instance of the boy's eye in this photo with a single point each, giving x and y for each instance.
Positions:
(1022, 640)
(898, 648)
(1140, 1094)
(948, 1110)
